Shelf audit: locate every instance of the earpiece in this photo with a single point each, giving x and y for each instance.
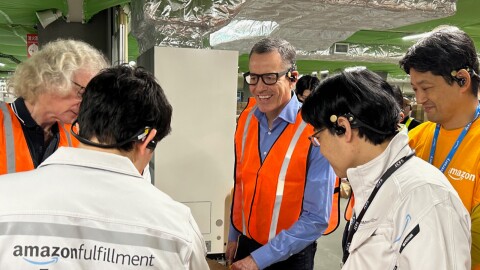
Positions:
(461, 81)
(152, 144)
(140, 136)
(291, 77)
(339, 130)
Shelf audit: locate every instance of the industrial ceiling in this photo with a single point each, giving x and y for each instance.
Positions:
(374, 30)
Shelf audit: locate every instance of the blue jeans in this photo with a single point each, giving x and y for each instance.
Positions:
(300, 261)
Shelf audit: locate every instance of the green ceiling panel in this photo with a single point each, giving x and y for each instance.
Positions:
(23, 11)
(467, 18)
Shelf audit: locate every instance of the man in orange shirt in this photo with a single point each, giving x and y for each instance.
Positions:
(443, 70)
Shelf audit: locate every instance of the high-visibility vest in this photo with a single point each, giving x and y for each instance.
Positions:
(280, 179)
(349, 208)
(14, 153)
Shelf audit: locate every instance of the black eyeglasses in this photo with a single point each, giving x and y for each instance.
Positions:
(313, 138)
(81, 89)
(267, 78)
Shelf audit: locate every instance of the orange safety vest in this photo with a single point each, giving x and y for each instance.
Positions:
(280, 179)
(14, 153)
(349, 208)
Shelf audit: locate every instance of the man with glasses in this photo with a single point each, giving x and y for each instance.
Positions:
(89, 207)
(283, 185)
(49, 87)
(406, 214)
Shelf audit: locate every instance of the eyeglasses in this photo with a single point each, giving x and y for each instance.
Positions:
(313, 138)
(267, 78)
(81, 89)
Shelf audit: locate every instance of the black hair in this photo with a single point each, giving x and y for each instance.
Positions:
(306, 82)
(119, 102)
(445, 50)
(360, 93)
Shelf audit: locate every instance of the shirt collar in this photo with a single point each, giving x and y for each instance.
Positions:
(92, 159)
(23, 113)
(364, 177)
(289, 112)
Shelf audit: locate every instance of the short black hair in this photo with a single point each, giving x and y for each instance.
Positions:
(119, 102)
(306, 82)
(362, 93)
(446, 49)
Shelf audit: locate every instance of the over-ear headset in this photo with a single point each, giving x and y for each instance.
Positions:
(460, 81)
(139, 136)
(355, 123)
(290, 75)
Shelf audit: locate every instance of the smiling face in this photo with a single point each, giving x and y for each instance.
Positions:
(271, 99)
(440, 100)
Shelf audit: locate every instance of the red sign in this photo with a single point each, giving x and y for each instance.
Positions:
(32, 44)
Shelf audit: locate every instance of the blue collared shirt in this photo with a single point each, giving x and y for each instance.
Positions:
(317, 201)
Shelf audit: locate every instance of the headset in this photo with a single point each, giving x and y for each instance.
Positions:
(461, 81)
(355, 123)
(290, 76)
(139, 136)
(339, 130)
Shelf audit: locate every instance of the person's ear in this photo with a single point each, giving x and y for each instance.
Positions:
(144, 144)
(293, 76)
(402, 116)
(346, 128)
(463, 78)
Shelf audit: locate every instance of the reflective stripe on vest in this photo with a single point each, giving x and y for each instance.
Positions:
(67, 134)
(281, 180)
(14, 153)
(253, 215)
(9, 143)
(408, 122)
(244, 137)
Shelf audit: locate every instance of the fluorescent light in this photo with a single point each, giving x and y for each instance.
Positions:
(416, 36)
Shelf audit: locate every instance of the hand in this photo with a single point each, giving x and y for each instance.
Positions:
(230, 253)
(246, 264)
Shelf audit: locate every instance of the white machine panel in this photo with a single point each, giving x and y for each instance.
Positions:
(194, 164)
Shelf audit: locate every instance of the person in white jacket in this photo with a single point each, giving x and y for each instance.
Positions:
(89, 207)
(406, 213)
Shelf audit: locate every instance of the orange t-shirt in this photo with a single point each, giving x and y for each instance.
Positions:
(463, 172)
